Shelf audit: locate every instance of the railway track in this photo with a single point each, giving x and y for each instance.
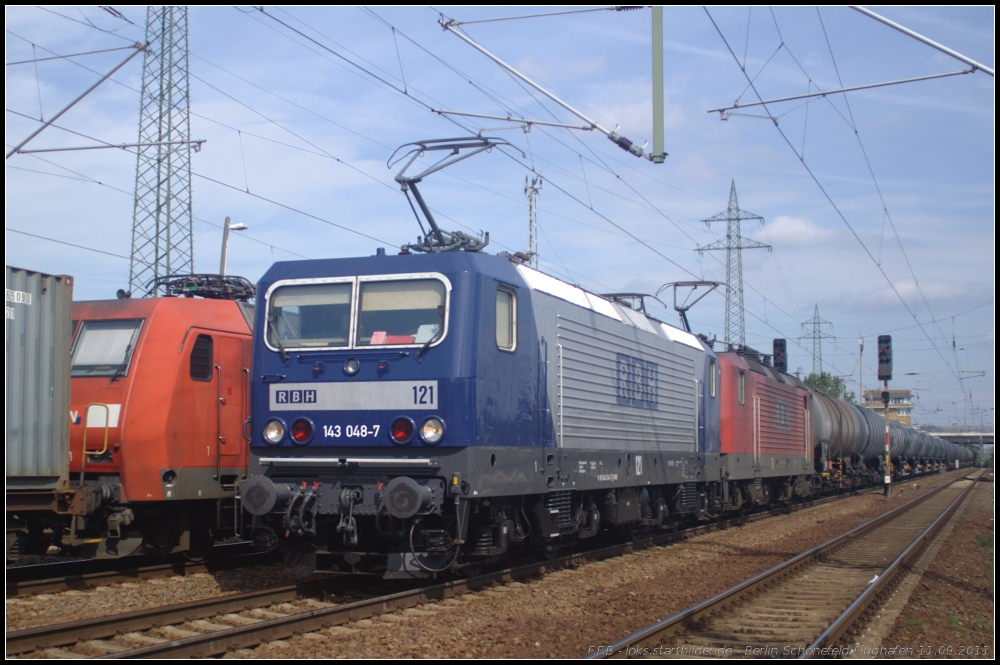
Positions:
(808, 605)
(86, 574)
(215, 626)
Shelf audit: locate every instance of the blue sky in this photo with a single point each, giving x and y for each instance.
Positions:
(897, 236)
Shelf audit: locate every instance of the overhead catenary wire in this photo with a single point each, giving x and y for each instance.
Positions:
(278, 203)
(572, 197)
(850, 121)
(563, 190)
(830, 199)
(425, 105)
(532, 168)
(610, 230)
(546, 14)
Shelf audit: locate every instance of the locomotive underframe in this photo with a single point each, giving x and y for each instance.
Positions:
(95, 520)
(543, 498)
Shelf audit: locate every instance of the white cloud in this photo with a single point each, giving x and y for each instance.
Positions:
(794, 231)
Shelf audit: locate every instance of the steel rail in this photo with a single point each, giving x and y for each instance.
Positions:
(221, 641)
(43, 637)
(655, 633)
(65, 575)
(873, 592)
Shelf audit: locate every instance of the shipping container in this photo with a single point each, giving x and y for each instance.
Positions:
(38, 333)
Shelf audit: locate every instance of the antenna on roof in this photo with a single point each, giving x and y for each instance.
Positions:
(437, 240)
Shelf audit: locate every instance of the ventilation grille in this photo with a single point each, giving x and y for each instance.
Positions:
(562, 502)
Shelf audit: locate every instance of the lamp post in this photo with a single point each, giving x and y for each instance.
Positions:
(239, 226)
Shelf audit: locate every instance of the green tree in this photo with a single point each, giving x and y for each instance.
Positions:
(828, 384)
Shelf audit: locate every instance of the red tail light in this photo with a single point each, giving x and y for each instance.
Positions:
(301, 431)
(401, 430)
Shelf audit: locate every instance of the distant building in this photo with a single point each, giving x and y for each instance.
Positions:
(900, 404)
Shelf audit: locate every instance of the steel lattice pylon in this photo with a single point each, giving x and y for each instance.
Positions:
(162, 238)
(734, 243)
(817, 337)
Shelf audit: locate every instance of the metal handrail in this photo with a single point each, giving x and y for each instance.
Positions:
(107, 425)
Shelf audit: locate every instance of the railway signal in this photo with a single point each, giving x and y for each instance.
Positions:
(885, 357)
(885, 375)
(780, 348)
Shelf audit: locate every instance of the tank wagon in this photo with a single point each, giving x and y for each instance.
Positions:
(850, 445)
(442, 409)
(156, 404)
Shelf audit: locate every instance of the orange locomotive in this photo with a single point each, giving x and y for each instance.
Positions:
(765, 433)
(158, 409)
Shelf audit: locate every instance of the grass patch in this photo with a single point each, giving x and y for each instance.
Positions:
(917, 623)
(936, 601)
(953, 621)
(982, 540)
(964, 518)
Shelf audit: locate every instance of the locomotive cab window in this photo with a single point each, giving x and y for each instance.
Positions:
(201, 359)
(315, 315)
(393, 313)
(711, 378)
(104, 348)
(506, 319)
(743, 387)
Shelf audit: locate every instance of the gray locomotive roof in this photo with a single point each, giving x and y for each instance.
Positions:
(539, 281)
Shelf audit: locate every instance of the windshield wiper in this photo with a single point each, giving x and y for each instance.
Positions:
(273, 319)
(121, 368)
(436, 337)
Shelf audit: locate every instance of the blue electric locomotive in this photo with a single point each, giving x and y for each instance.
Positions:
(438, 409)
(443, 407)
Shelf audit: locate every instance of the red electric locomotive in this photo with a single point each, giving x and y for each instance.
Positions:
(766, 437)
(158, 409)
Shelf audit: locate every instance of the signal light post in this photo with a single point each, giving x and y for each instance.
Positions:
(885, 375)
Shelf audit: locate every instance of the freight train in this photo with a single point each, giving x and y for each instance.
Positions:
(125, 418)
(442, 409)
(432, 410)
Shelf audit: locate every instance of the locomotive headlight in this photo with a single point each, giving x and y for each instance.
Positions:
(351, 366)
(432, 431)
(274, 432)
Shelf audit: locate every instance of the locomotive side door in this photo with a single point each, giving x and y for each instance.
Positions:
(232, 370)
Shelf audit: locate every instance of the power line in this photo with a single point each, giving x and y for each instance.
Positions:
(63, 242)
(89, 25)
(71, 55)
(85, 178)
